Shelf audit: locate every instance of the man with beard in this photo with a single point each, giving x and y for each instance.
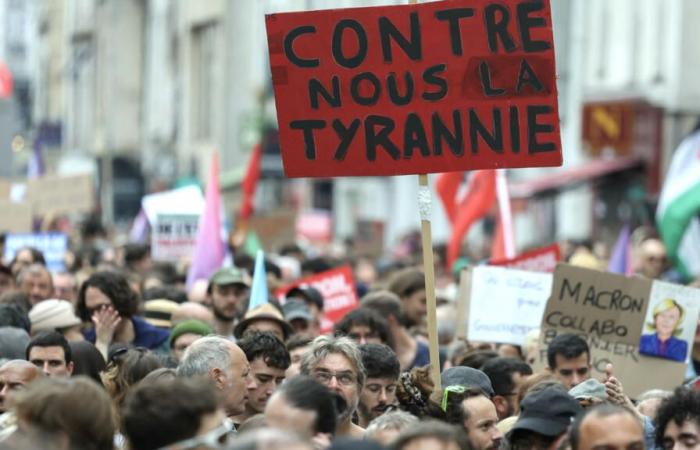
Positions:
(506, 375)
(337, 363)
(35, 281)
(379, 392)
(268, 359)
(227, 293)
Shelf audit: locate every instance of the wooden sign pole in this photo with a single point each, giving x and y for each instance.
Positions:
(424, 206)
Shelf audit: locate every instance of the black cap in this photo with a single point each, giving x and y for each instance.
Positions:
(548, 412)
(308, 293)
(467, 377)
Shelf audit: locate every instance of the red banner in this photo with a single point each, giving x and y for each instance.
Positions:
(338, 291)
(407, 89)
(543, 259)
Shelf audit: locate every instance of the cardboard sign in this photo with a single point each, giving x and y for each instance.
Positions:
(613, 303)
(408, 89)
(607, 306)
(15, 217)
(505, 304)
(274, 228)
(543, 259)
(174, 237)
(58, 194)
(52, 245)
(338, 291)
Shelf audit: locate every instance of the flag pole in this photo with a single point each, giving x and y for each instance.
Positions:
(425, 206)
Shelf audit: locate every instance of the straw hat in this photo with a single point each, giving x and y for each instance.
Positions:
(262, 312)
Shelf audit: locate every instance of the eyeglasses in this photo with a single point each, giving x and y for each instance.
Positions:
(216, 438)
(343, 378)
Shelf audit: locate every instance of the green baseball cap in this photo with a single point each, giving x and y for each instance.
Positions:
(229, 275)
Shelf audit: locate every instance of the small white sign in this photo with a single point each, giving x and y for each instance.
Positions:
(505, 304)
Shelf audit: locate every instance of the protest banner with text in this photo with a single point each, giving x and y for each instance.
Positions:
(53, 245)
(174, 237)
(543, 259)
(412, 89)
(505, 304)
(608, 311)
(338, 290)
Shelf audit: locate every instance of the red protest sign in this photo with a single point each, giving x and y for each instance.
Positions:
(543, 259)
(338, 291)
(408, 89)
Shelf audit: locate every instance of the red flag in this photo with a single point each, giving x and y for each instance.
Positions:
(250, 182)
(447, 188)
(478, 201)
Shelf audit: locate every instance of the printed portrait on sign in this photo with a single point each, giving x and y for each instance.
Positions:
(663, 336)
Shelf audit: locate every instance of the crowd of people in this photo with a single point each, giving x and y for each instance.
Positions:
(115, 353)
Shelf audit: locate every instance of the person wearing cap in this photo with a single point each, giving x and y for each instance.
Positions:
(56, 315)
(466, 399)
(184, 334)
(265, 317)
(314, 301)
(50, 352)
(608, 427)
(298, 315)
(227, 294)
(544, 419)
(589, 393)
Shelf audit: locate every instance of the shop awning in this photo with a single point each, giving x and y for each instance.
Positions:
(569, 178)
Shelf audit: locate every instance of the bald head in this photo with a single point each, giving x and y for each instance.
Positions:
(652, 253)
(192, 310)
(15, 375)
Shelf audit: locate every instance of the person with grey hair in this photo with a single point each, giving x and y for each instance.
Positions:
(386, 428)
(337, 363)
(432, 434)
(270, 439)
(225, 364)
(13, 342)
(35, 281)
(648, 402)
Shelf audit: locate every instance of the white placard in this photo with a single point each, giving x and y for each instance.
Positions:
(505, 304)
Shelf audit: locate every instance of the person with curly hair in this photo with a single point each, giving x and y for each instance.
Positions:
(269, 359)
(678, 421)
(108, 301)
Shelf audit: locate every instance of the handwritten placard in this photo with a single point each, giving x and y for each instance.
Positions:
(505, 304)
(423, 88)
(604, 305)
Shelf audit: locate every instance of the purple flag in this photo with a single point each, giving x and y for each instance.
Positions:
(209, 251)
(35, 165)
(620, 257)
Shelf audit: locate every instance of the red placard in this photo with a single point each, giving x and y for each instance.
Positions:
(543, 259)
(408, 89)
(338, 291)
